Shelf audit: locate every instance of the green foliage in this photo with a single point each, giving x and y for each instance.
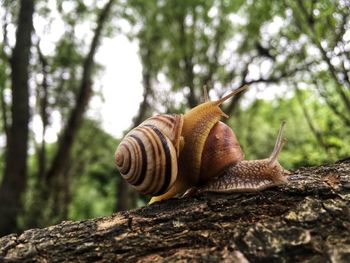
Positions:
(92, 177)
(93, 197)
(256, 128)
(287, 42)
(94, 173)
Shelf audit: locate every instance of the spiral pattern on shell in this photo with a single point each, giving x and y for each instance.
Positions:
(147, 156)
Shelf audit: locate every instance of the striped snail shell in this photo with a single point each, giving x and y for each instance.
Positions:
(147, 156)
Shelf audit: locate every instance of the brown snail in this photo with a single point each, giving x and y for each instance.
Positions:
(167, 155)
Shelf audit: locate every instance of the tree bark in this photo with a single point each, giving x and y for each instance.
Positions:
(15, 174)
(306, 220)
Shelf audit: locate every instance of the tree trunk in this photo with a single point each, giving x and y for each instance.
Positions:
(307, 220)
(15, 174)
(126, 196)
(42, 95)
(61, 159)
(144, 108)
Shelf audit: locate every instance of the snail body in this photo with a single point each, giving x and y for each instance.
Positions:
(169, 154)
(251, 175)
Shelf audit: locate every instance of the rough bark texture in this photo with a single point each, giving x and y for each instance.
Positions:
(15, 173)
(307, 220)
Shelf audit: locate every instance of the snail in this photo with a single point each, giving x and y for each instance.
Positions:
(170, 154)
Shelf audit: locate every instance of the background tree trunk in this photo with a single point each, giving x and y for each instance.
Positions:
(307, 220)
(56, 181)
(43, 103)
(61, 158)
(15, 175)
(126, 196)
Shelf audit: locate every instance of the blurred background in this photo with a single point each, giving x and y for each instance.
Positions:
(77, 75)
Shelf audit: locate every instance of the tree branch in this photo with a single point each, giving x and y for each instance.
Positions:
(147, 85)
(271, 79)
(303, 221)
(332, 70)
(187, 59)
(341, 30)
(234, 101)
(43, 104)
(4, 111)
(213, 63)
(333, 106)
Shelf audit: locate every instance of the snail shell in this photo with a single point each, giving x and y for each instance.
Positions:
(147, 156)
(221, 149)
